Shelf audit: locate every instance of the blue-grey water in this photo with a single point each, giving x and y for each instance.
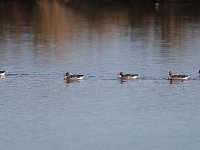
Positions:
(40, 111)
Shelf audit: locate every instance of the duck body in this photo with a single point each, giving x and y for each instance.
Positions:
(123, 76)
(73, 77)
(2, 74)
(177, 77)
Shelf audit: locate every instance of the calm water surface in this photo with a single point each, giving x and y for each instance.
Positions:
(40, 42)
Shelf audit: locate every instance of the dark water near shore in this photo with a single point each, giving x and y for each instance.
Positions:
(40, 111)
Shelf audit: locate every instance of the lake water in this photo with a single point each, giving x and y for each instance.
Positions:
(40, 111)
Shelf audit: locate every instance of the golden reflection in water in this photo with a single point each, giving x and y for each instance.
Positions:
(64, 24)
(56, 22)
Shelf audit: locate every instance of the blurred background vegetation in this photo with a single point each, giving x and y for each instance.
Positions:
(104, 1)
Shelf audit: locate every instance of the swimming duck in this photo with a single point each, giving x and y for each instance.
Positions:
(177, 77)
(199, 72)
(73, 77)
(2, 74)
(123, 76)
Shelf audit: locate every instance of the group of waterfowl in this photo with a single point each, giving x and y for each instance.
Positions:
(124, 76)
(121, 75)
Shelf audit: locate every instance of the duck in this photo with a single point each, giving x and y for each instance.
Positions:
(2, 74)
(73, 77)
(123, 76)
(177, 77)
(199, 73)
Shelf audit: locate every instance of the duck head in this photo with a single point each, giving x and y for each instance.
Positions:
(66, 74)
(121, 73)
(170, 73)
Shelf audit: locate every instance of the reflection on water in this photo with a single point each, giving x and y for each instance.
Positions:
(53, 22)
(40, 42)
